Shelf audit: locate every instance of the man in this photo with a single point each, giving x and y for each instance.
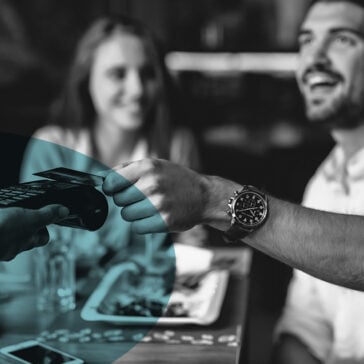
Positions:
(323, 323)
(24, 229)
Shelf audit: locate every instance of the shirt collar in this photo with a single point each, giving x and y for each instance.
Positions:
(339, 169)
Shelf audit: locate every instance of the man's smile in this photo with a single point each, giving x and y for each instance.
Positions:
(321, 82)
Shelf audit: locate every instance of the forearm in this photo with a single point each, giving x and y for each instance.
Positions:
(326, 245)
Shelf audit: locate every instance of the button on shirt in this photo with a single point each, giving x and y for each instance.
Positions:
(327, 318)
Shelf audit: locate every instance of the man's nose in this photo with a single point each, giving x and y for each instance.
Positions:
(318, 55)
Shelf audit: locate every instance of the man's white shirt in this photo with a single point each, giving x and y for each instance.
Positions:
(327, 318)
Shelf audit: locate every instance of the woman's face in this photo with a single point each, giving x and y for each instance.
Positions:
(123, 82)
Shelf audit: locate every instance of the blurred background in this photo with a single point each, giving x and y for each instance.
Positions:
(234, 63)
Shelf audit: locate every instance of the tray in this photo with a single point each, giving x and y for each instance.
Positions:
(203, 303)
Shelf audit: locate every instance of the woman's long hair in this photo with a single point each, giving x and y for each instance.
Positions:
(74, 109)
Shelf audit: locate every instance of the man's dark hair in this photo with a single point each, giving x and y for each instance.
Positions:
(356, 2)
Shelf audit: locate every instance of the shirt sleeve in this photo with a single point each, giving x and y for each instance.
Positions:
(304, 317)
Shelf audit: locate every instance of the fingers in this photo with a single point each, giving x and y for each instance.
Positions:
(152, 224)
(128, 174)
(23, 229)
(122, 177)
(128, 196)
(39, 239)
(134, 187)
(105, 172)
(122, 165)
(45, 216)
(139, 210)
(115, 182)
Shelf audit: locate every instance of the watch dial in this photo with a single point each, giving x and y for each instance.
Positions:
(250, 209)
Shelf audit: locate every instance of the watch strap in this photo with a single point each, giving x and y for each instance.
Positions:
(235, 233)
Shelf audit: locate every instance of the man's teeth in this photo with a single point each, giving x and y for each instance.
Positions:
(320, 80)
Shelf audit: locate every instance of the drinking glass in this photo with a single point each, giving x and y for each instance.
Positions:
(55, 274)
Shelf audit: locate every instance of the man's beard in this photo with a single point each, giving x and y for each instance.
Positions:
(337, 113)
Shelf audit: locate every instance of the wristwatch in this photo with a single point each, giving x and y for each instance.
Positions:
(248, 209)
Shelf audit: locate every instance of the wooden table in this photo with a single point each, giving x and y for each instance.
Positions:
(19, 321)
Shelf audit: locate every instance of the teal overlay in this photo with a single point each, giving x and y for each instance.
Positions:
(152, 254)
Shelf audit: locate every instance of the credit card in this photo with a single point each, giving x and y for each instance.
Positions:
(72, 176)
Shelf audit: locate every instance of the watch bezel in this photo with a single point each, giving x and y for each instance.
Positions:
(237, 198)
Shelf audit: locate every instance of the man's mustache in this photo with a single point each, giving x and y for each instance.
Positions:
(321, 69)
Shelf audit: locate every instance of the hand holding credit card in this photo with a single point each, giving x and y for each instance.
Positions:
(73, 189)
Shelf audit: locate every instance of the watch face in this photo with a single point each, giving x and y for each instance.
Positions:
(250, 209)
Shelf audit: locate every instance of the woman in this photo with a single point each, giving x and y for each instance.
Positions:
(116, 107)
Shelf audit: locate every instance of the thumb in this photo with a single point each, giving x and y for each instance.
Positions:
(105, 172)
(40, 238)
(120, 178)
(121, 165)
(46, 215)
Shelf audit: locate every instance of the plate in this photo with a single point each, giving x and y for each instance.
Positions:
(200, 305)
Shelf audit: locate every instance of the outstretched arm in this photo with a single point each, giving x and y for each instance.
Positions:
(160, 196)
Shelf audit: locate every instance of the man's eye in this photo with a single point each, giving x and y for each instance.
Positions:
(304, 40)
(344, 40)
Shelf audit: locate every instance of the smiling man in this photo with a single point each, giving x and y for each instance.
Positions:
(331, 67)
(324, 323)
